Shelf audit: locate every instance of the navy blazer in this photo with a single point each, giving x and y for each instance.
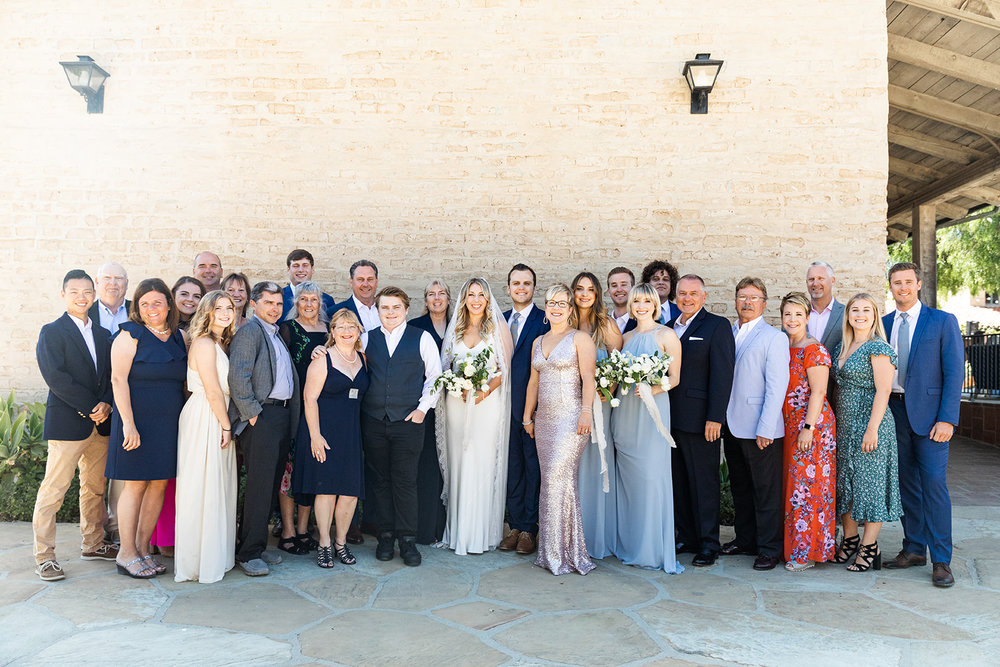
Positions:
(75, 387)
(520, 363)
(935, 370)
(708, 356)
(349, 304)
(424, 322)
(95, 314)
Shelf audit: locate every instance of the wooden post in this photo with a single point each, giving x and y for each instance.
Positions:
(925, 251)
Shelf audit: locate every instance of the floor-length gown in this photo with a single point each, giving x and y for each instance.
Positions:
(561, 545)
(599, 509)
(475, 511)
(205, 527)
(642, 463)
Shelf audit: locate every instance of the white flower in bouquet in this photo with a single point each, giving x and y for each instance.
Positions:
(615, 402)
(604, 382)
(469, 371)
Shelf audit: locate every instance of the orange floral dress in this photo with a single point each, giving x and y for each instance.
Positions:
(810, 477)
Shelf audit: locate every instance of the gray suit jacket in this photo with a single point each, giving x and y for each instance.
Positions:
(834, 331)
(251, 376)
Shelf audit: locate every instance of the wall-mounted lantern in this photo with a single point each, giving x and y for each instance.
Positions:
(87, 78)
(700, 75)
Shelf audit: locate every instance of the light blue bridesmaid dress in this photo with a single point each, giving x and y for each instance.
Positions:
(642, 462)
(600, 520)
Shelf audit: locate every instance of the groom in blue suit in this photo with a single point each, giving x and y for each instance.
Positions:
(524, 478)
(925, 401)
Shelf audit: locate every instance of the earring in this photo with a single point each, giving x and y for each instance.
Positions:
(545, 320)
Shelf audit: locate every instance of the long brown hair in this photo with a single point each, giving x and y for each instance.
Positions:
(598, 317)
(204, 317)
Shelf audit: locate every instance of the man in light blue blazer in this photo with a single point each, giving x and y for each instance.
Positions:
(755, 430)
(925, 401)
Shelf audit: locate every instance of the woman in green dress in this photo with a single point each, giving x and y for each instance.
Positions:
(867, 466)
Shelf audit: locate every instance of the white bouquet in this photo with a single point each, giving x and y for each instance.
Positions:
(645, 371)
(610, 371)
(470, 374)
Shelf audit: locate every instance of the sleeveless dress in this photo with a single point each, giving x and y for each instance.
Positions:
(810, 487)
(599, 509)
(156, 388)
(475, 514)
(339, 403)
(300, 344)
(205, 534)
(561, 545)
(867, 483)
(642, 463)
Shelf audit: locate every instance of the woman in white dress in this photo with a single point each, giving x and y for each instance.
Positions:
(473, 430)
(205, 529)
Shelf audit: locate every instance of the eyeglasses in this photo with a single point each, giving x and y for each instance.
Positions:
(345, 327)
(749, 299)
(557, 304)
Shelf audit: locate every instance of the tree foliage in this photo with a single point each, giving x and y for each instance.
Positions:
(968, 255)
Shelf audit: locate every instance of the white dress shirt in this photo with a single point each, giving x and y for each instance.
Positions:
(369, 315)
(284, 379)
(742, 331)
(524, 317)
(914, 313)
(818, 320)
(112, 320)
(87, 331)
(428, 353)
(681, 327)
(621, 320)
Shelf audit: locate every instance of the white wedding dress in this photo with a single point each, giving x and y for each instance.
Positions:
(476, 483)
(205, 524)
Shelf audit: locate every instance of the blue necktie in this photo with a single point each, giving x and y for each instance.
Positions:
(903, 347)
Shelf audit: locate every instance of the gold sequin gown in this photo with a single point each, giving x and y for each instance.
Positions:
(561, 545)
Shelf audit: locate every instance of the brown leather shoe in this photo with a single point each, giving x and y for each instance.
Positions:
(905, 559)
(354, 535)
(942, 577)
(526, 543)
(509, 543)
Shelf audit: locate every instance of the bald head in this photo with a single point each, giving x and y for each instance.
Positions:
(208, 269)
(111, 283)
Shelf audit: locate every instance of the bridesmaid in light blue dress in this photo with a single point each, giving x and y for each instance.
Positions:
(599, 509)
(642, 458)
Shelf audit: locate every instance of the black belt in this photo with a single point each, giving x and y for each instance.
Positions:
(898, 396)
(281, 404)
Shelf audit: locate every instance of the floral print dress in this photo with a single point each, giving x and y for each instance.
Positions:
(811, 476)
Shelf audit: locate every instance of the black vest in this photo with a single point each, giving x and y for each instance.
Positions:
(397, 381)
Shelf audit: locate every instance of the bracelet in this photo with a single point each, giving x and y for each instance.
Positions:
(527, 422)
(586, 409)
(227, 429)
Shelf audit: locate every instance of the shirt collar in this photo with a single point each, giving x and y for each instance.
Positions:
(83, 327)
(913, 312)
(828, 309)
(360, 305)
(524, 312)
(398, 331)
(749, 325)
(690, 319)
(270, 329)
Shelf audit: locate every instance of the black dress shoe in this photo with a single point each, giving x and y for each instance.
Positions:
(734, 549)
(408, 551)
(764, 563)
(384, 550)
(685, 548)
(705, 558)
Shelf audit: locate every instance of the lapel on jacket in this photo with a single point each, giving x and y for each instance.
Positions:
(695, 325)
(529, 325)
(831, 323)
(751, 337)
(925, 315)
(74, 334)
(267, 346)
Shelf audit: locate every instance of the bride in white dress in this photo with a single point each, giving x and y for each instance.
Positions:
(205, 523)
(472, 435)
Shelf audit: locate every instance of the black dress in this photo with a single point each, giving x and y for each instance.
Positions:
(342, 474)
(300, 344)
(156, 388)
(430, 510)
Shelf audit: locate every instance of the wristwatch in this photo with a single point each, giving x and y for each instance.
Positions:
(807, 426)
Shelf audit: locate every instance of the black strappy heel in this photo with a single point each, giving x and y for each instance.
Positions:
(848, 547)
(868, 557)
(324, 557)
(344, 554)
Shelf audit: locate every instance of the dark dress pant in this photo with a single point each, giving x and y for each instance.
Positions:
(695, 469)
(430, 509)
(755, 476)
(392, 450)
(524, 479)
(265, 448)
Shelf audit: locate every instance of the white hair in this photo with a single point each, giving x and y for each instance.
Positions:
(826, 266)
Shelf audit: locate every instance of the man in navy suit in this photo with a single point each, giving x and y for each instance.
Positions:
(300, 266)
(697, 411)
(110, 308)
(524, 477)
(925, 401)
(74, 356)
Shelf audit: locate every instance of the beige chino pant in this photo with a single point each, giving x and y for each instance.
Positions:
(64, 457)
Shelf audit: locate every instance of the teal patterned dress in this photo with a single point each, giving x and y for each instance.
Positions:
(867, 483)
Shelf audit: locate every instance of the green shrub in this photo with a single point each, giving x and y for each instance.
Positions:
(23, 453)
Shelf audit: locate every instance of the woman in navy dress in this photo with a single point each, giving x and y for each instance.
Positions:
(430, 509)
(148, 369)
(328, 446)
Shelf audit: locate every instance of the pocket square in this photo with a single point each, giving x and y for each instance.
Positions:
(695, 338)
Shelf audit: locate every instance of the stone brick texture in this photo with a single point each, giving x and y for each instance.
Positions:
(440, 138)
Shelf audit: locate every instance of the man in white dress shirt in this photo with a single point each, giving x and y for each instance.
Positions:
(110, 309)
(208, 269)
(620, 281)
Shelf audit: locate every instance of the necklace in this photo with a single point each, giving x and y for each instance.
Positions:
(159, 332)
(350, 361)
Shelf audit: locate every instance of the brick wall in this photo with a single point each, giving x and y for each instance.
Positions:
(439, 138)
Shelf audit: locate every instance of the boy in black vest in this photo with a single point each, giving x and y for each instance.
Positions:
(403, 363)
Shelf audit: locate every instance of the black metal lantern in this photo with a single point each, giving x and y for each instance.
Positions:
(700, 75)
(87, 78)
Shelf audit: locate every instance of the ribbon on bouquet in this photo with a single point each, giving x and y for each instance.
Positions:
(597, 435)
(646, 394)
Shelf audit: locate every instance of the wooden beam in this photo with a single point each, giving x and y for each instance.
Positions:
(914, 172)
(925, 251)
(942, 111)
(944, 61)
(925, 143)
(983, 193)
(941, 8)
(896, 235)
(978, 173)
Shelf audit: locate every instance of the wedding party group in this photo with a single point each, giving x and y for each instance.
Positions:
(575, 431)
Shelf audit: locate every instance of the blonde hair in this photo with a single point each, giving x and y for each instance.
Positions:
(204, 318)
(796, 299)
(644, 290)
(486, 326)
(447, 291)
(344, 314)
(597, 318)
(877, 332)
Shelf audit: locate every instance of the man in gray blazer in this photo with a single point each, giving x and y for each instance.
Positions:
(755, 430)
(264, 411)
(826, 317)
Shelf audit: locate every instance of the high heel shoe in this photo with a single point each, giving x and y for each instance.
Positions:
(344, 554)
(324, 557)
(848, 547)
(868, 557)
